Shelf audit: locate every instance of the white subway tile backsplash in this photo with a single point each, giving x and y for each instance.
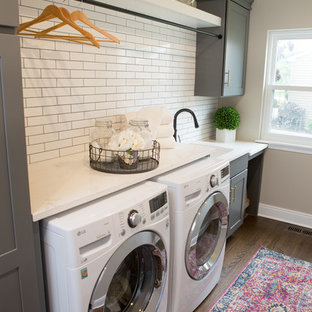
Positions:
(82, 90)
(93, 66)
(39, 83)
(31, 73)
(85, 107)
(113, 68)
(68, 85)
(66, 46)
(42, 138)
(72, 150)
(55, 91)
(82, 74)
(94, 82)
(35, 148)
(87, 123)
(71, 134)
(38, 63)
(116, 20)
(30, 53)
(98, 113)
(94, 98)
(68, 65)
(105, 90)
(55, 73)
(55, 110)
(79, 56)
(81, 140)
(57, 127)
(58, 144)
(69, 82)
(70, 117)
(107, 74)
(44, 156)
(54, 55)
(42, 120)
(115, 97)
(32, 111)
(33, 130)
(39, 101)
(38, 43)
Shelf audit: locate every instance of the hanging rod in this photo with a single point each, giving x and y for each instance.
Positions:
(156, 19)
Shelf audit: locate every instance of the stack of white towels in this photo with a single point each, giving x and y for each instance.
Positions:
(160, 124)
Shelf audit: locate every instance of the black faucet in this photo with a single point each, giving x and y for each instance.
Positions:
(175, 120)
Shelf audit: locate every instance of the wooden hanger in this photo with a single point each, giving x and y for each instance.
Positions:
(53, 11)
(78, 15)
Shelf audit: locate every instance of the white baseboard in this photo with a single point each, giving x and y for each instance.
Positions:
(285, 215)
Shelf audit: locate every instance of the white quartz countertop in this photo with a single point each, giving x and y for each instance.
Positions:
(60, 184)
(231, 151)
(63, 183)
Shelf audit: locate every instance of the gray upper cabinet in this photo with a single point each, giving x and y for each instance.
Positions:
(221, 63)
(8, 13)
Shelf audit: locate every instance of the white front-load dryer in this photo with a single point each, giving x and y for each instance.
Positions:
(199, 196)
(110, 255)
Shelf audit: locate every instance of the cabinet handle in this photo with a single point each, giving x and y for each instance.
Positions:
(228, 78)
(234, 193)
(232, 198)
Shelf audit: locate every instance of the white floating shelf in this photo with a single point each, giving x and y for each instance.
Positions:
(169, 10)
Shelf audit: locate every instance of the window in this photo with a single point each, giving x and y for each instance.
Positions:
(287, 110)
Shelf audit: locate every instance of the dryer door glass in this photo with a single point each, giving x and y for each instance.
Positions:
(134, 277)
(207, 236)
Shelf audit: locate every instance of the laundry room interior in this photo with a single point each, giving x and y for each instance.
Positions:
(155, 155)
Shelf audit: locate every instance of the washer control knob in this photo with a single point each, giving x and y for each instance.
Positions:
(134, 218)
(213, 180)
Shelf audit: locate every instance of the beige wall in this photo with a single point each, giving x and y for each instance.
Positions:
(287, 176)
(287, 180)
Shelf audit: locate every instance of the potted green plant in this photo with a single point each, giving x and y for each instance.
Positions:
(226, 119)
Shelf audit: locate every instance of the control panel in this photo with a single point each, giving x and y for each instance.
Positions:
(148, 211)
(158, 205)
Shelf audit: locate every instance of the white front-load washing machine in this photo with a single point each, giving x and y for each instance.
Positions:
(110, 255)
(199, 196)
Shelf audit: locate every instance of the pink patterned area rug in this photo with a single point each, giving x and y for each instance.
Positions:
(270, 282)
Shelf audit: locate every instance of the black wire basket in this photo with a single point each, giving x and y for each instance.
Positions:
(130, 161)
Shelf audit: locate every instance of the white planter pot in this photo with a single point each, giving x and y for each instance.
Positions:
(225, 135)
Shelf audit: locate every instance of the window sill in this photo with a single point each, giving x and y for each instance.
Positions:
(295, 148)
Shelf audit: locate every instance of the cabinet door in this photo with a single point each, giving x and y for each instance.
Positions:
(237, 201)
(209, 53)
(9, 13)
(235, 50)
(18, 274)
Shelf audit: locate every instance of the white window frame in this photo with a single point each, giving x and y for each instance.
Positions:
(294, 142)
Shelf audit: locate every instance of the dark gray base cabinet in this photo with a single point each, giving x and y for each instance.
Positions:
(238, 182)
(237, 201)
(221, 63)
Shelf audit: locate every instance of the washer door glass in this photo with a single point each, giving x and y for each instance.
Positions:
(207, 236)
(134, 277)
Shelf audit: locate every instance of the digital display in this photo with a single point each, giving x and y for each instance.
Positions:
(157, 202)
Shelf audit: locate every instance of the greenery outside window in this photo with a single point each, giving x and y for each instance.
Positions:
(287, 109)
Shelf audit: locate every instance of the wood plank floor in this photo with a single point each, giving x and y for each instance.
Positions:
(291, 240)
